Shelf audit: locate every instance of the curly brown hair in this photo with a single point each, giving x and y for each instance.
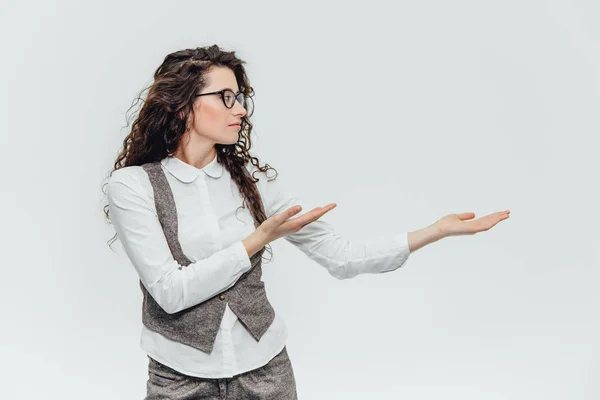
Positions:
(157, 131)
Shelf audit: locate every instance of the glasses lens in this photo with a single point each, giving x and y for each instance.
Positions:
(229, 98)
(249, 106)
(247, 103)
(241, 99)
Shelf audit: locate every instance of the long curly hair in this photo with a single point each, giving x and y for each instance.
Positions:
(157, 130)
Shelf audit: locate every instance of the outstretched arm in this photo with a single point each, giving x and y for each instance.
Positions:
(345, 258)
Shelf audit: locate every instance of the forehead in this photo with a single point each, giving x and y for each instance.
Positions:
(218, 78)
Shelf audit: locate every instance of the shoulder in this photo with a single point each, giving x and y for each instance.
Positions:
(130, 180)
(273, 187)
(253, 169)
(255, 172)
(266, 179)
(127, 175)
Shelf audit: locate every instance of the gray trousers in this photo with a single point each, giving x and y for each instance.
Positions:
(275, 380)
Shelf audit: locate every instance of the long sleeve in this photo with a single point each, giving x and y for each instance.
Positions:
(174, 288)
(342, 258)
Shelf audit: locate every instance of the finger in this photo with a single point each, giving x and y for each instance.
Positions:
(466, 215)
(312, 215)
(491, 221)
(283, 216)
(499, 216)
(317, 212)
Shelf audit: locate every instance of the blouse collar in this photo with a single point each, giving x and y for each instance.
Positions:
(187, 173)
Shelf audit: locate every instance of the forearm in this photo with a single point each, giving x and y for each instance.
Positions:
(424, 236)
(254, 242)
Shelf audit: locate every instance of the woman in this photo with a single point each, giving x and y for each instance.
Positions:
(177, 198)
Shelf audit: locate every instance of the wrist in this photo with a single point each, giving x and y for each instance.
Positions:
(425, 236)
(437, 231)
(259, 238)
(253, 243)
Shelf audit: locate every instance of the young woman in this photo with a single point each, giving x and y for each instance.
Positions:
(195, 212)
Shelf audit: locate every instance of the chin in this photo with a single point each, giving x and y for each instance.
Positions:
(237, 137)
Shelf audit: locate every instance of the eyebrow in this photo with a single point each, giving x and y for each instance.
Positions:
(229, 89)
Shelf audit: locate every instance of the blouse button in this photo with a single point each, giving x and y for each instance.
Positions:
(222, 297)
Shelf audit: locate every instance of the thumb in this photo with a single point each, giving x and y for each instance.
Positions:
(467, 215)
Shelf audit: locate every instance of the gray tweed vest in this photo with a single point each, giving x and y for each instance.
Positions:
(197, 326)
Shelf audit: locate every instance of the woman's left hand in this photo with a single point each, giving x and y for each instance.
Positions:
(458, 224)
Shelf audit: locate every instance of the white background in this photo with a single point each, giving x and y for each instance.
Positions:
(414, 109)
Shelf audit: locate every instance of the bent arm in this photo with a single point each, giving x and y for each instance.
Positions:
(173, 286)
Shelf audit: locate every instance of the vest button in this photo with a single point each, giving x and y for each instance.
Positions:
(222, 297)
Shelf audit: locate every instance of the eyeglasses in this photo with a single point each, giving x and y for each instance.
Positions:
(229, 99)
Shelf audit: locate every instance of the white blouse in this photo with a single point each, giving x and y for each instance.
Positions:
(211, 233)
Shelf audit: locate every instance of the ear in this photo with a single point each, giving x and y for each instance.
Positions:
(180, 115)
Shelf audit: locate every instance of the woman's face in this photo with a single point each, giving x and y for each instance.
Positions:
(212, 119)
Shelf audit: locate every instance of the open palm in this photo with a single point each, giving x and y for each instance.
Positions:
(458, 224)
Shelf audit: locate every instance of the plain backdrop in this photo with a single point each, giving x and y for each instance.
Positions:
(401, 113)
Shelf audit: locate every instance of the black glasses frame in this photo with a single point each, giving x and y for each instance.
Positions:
(222, 93)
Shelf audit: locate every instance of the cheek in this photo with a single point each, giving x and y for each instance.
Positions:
(212, 118)
(212, 113)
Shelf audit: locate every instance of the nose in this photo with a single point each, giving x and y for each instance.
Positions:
(240, 110)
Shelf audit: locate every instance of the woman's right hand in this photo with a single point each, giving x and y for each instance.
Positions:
(281, 224)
